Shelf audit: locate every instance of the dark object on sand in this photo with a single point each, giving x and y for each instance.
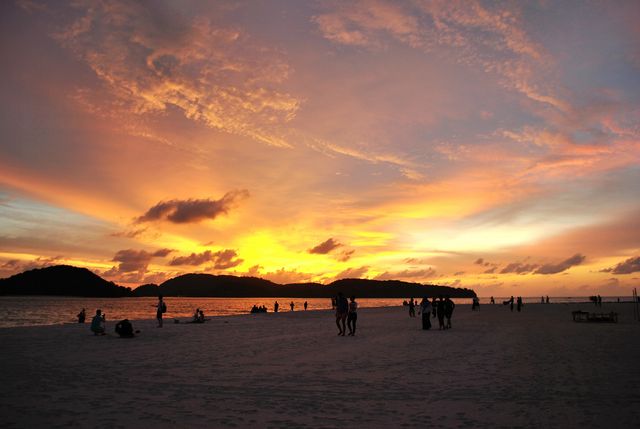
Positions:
(585, 316)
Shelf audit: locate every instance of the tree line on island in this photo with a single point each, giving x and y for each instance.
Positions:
(65, 280)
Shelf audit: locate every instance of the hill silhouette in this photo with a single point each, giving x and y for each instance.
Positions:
(64, 280)
(232, 286)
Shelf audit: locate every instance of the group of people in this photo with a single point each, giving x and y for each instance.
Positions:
(123, 328)
(442, 308)
(346, 311)
(510, 301)
(259, 309)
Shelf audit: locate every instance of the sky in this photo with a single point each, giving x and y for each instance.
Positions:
(487, 145)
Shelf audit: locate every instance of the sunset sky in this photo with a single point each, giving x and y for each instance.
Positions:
(488, 145)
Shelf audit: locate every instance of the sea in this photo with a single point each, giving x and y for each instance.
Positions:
(53, 310)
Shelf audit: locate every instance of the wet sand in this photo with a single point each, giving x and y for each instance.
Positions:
(493, 369)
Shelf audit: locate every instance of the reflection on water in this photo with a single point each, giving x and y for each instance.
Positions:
(48, 310)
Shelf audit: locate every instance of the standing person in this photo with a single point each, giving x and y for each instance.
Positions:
(291, 305)
(493, 301)
(440, 311)
(412, 308)
(425, 310)
(82, 316)
(161, 308)
(434, 304)
(97, 323)
(352, 316)
(519, 303)
(275, 307)
(342, 309)
(547, 299)
(542, 300)
(449, 305)
(305, 306)
(511, 303)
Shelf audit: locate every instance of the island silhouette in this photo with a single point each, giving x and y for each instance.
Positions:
(66, 280)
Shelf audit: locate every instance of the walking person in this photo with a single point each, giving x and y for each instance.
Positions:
(440, 311)
(412, 308)
(449, 305)
(275, 307)
(305, 306)
(519, 305)
(161, 308)
(342, 309)
(511, 303)
(352, 316)
(291, 305)
(425, 310)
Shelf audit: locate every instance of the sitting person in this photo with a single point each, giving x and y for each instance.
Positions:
(196, 316)
(201, 318)
(97, 323)
(124, 329)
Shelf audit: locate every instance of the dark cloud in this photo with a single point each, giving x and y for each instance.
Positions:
(407, 274)
(459, 273)
(576, 259)
(491, 270)
(222, 259)
(188, 211)
(352, 273)
(518, 268)
(345, 255)
(631, 265)
(479, 261)
(325, 247)
(134, 261)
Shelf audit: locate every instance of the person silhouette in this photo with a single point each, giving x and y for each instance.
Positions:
(493, 301)
(305, 306)
(441, 312)
(352, 316)
(342, 309)
(97, 323)
(275, 307)
(412, 308)
(291, 305)
(82, 316)
(449, 305)
(161, 308)
(519, 304)
(124, 329)
(425, 310)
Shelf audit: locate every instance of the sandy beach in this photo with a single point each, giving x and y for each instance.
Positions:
(493, 369)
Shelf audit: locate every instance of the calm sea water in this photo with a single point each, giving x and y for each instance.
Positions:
(48, 310)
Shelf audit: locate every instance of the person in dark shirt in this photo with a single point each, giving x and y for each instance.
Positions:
(124, 328)
(342, 309)
(82, 316)
(449, 305)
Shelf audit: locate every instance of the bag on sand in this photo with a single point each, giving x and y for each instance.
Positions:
(164, 307)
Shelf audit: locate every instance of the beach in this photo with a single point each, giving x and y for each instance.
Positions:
(494, 368)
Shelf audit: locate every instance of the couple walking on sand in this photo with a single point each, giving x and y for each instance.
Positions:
(443, 308)
(346, 311)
